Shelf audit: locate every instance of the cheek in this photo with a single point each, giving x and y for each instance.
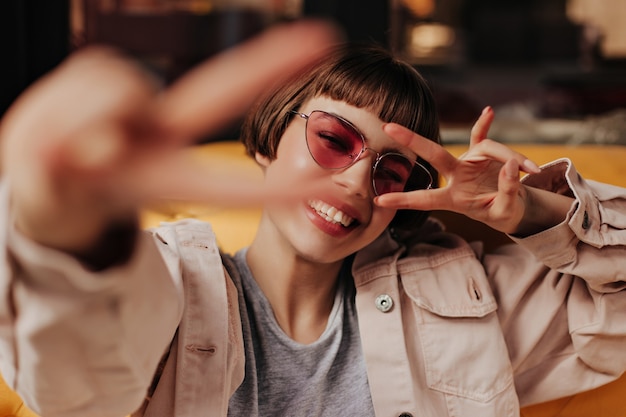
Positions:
(381, 217)
(292, 159)
(380, 220)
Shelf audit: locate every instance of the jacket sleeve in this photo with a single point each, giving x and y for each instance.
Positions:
(77, 343)
(564, 317)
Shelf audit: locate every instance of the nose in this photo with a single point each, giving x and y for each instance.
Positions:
(357, 178)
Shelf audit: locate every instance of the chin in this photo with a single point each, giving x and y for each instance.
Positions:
(321, 254)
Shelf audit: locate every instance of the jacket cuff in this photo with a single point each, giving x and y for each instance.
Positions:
(557, 245)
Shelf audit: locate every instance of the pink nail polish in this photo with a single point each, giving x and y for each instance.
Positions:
(531, 166)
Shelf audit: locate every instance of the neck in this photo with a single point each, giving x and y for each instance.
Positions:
(301, 292)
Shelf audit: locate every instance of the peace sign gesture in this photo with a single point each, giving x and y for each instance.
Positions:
(482, 184)
(87, 145)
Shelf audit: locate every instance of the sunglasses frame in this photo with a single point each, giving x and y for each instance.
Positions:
(363, 149)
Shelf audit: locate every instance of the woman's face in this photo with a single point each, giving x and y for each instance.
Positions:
(333, 223)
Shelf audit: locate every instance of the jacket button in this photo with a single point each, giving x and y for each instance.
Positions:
(384, 303)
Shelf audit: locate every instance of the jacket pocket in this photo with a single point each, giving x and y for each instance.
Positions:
(465, 355)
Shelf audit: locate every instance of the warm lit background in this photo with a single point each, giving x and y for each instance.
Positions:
(553, 69)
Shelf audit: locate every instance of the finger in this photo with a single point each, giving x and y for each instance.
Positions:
(481, 127)
(508, 180)
(92, 84)
(224, 87)
(488, 149)
(97, 149)
(508, 191)
(425, 200)
(94, 87)
(427, 149)
(185, 177)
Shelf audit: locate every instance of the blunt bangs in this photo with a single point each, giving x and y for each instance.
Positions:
(368, 77)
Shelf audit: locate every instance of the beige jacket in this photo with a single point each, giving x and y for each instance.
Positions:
(446, 330)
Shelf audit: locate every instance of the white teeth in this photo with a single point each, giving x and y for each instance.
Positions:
(330, 213)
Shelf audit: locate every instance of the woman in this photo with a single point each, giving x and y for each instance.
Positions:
(349, 301)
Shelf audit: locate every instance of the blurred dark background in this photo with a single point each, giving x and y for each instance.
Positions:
(34, 37)
(531, 59)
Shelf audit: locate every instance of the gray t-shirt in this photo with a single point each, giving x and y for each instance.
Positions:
(326, 378)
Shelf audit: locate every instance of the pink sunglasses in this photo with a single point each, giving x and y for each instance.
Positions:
(335, 143)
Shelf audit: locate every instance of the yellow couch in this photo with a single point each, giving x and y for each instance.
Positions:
(235, 228)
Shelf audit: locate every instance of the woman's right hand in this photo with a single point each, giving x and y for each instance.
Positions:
(94, 140)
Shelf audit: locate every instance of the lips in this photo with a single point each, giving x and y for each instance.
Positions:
(331, 214)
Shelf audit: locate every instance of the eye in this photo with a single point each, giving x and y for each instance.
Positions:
(393, 167)
(334, 142)
(390, 175)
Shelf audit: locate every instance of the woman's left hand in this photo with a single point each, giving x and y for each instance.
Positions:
(483, 183)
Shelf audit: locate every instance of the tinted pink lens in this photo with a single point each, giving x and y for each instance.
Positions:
(391, 173)
(332, 142)
(396, 173)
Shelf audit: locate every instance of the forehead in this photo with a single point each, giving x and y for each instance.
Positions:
(365, 120)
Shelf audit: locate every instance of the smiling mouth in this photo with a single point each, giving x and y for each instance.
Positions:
(331, 214)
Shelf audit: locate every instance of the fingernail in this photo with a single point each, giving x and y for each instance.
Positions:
(379, 202)
(486, 110)
(531, 166)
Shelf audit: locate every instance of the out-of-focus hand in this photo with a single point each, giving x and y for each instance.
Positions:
(482, 184)
(91, 142)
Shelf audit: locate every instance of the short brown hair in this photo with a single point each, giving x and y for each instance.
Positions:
(365, 76)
